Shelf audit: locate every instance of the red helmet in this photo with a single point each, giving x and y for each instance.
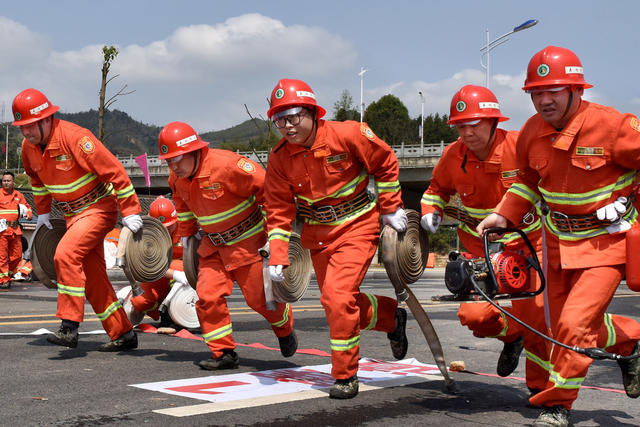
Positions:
(31, 105)
(164, 209)
(555, 66)
(178, 138)
(473, 103)
(293, 93)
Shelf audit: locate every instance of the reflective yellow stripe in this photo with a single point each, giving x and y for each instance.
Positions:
(73, 186)
(352, 216)
(218, 333)
(213, 219)
(74, 291)
(344, 345)
(186, 216)
(343, 191)
(524, 192)
(388, 187)
(256, 229)
(374, 307)
(544, 364)
(611, 330)
(110, 310)
(125, 192)
(39, 191)
(503, 332)
(155, 305)
(569, 383)
(593, 196)
(432, 200)
(285, 318)
(279, 234)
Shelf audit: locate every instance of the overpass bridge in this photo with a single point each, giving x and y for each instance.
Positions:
(416, 166)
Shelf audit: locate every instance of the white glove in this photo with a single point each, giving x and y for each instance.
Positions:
(184, 239)
(431, 221)
(275, 272)
(180, 277)
(398, 220)
(133, 222)
(23, 210)
(44, 219)
(612, 211)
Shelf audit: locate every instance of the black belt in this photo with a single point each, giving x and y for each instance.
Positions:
(572, 223)
(226, 236)
(333, 213)
(98, 192)
(13, 224)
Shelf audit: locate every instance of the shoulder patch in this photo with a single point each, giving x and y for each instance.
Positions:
(246, 166)
(635, 124)
(86, 145)
(367, 132)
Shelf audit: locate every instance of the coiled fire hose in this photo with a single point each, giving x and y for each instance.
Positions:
(404, 256)
(144, 256)
(43, 248)
(296, 276)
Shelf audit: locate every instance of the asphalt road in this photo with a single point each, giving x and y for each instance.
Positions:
(44, 384)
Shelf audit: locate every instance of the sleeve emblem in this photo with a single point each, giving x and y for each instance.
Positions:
(86, 145)
(246, 166)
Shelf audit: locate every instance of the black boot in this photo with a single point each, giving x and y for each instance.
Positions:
(554, 416)
(66, 336)
(398, 338)
(631, 373)
(344, 389)
(126, 341)
(288, 344)
(228, 360)
(509, 357)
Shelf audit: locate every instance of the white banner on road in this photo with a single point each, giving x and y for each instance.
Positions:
(248, 385)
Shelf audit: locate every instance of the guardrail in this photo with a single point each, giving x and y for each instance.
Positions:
(402, 152)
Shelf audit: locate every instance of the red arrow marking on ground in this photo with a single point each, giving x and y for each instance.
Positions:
(203, 388)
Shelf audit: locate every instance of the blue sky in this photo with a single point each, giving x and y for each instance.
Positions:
(201, 61)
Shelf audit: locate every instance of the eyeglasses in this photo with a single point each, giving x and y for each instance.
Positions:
(293, 119)
(175, 159)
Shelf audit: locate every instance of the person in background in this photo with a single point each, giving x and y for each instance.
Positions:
(13, 207)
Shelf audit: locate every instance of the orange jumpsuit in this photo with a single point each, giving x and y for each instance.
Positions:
(481, 185)
(226, 189)
(155, 292)
(73, 163)
(11, 238)
(24, 267)
(577, 170)
(335, 169)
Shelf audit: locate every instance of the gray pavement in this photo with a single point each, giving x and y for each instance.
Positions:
(48, 385)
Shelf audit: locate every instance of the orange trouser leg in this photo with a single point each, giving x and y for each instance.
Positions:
(577, 303)
(80, 269)
(249, 278)
(154, 293)
(15, 254)
(7, 253)
(340, 269)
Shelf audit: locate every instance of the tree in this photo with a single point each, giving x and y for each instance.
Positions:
(109, 55)
(389, 119)
(343, 109)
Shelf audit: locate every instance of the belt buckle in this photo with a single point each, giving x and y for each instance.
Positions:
(529, 218)
(322, 210)
(213, 236)
(64, 206)
(559, 216)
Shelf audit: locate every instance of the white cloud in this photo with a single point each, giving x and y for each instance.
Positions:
(203, 74)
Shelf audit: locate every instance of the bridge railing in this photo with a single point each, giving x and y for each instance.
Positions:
(158, 167)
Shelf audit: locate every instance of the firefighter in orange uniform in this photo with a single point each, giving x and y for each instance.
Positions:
(580, 158)
(69, 166)
(155, 292)
(323, 168)
(13, 206)
(222, 192)
(480, 166)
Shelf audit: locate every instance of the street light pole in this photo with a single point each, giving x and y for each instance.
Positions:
(497, 42)
(361, 74)
(421, 122)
